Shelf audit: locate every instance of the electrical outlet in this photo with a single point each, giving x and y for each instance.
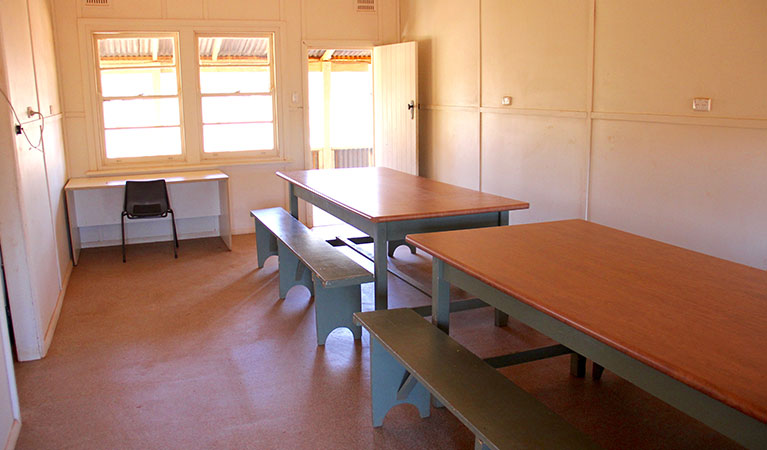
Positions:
(701, 104)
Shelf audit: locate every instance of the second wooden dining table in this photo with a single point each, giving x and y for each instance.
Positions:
(387, 205)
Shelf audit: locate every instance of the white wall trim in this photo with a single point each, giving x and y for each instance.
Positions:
(726, 122)
(13, 436)
(462, 108)
(148, 239)
(534, 112)
(48, 338)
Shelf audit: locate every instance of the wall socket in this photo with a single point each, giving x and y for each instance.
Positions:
(701, 104)
(506, 101)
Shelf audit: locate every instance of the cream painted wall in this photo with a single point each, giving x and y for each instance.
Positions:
(252, 185)
(601, 124)
(32, 228)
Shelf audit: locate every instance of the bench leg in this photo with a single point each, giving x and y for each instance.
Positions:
(596, 371)
(501, 318)
(394, 244)
(333, 308)
(386, 377)
(577, 365)
(292, 271)
(266, 243)
(479, 445)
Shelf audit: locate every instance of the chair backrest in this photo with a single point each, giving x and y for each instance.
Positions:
(146, 199)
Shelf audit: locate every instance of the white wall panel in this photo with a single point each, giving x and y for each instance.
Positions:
(699, 187)
(654, 56)
(447, 32)
(537, 52)
(56, 172)
(448, 151)
(540, 160)
(243, 9)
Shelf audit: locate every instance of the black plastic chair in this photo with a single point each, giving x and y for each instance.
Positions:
(146, 199)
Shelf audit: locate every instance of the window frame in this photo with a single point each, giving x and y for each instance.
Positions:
(106, 161)
(238, 154)
(93, 160)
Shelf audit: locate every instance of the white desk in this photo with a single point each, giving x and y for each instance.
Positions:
(79, 189)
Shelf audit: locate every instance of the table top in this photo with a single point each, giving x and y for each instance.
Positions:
(119, 181)
(699, 319)
(384, 195)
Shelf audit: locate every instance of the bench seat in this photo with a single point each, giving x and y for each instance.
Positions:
(411, 359)
(307, 259)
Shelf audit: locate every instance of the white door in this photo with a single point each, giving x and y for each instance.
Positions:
(395, 92)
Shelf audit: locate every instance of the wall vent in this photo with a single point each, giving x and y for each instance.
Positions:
(97, 2)
(366, 5)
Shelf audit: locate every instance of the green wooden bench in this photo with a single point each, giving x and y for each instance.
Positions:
(307, 259)
(410, 359)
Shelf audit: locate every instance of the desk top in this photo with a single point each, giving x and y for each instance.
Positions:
(385, 195)
(119, 181)
(699, 319)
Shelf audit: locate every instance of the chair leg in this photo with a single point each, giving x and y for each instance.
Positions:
(122, 224)
(175, 236)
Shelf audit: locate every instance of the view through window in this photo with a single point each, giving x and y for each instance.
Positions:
(237, 87)
(142, 105)
(138, 87)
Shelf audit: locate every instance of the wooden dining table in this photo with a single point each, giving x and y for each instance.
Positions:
(689, 328)
(387, 205)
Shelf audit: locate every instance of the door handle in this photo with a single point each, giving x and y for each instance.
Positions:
(411, 107)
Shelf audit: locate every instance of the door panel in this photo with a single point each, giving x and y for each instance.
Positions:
(395, 91)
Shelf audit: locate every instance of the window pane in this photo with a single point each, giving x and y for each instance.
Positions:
(351, 110)
(121, 52)
(253, 108)
(146, 112)
(143, 142)
(316, 110)
(226, 50)
(233, 138)
(227, 80)
(135, 82)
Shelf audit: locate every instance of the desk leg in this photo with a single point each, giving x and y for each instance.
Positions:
(225, 215)
(501, 318)
(440, 296)
(380, 260)
(74, 231)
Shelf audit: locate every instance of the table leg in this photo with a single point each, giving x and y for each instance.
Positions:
(440, 296)
(501, 318)
(74, 230)
(380, 272)
(293, 200)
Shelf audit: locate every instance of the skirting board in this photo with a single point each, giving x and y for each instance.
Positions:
(13, 435)
(144, 240)
(57, 312)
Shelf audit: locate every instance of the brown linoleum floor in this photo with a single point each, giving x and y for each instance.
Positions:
(199, 353)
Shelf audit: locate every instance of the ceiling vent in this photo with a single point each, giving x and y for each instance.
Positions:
(366, 5)
(97, 2)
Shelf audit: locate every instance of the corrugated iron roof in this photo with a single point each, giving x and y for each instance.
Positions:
(342, 55)
(235, 47)
(134, 47)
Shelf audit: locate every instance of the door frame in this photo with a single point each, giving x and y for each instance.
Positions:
(306, 45)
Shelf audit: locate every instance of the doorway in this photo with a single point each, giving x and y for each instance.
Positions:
(340, 102)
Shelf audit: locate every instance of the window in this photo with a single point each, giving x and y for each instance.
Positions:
(237, 93)
(138, 89)
(182, 94)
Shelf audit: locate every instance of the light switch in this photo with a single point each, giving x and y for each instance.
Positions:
(701, 104)
(506, 101)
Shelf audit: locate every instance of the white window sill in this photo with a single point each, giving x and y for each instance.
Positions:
(128, 169)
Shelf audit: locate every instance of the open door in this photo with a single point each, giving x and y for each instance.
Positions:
(395, 93)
